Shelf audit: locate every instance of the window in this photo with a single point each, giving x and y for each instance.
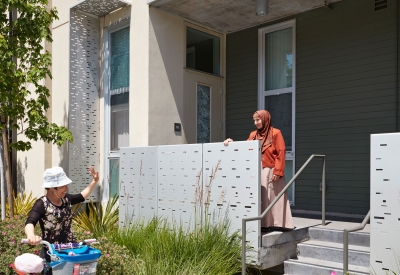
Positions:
(202, 51)
(203, 113)
(119, 89)
(277, 78)
(276, 89)
(116, 98)
(113, 180)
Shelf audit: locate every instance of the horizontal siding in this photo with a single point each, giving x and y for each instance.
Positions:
(241, 84)
(346, 89)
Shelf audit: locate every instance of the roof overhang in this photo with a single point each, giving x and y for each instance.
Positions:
(99, 8)
(233, 15)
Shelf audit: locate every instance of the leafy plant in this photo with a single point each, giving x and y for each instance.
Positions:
(97, 219)
(11, 233)
(115, 258)
(24, 64)
(23, 204)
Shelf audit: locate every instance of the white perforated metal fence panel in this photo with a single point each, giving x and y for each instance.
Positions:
(231, 176)
(193, 182)
(179, 176)
(138, 188)
(385, 203)
(83, 118)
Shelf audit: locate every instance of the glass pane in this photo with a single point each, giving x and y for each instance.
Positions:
(288, 176)
(203, 114)
(202, 51)
(280, 108)
(119, 65)
(278, 59)
(113, 181)
(119, 121)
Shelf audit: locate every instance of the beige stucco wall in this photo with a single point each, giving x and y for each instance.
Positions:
(139, 75)
(30, 167)
(167, 48)
(60, 83)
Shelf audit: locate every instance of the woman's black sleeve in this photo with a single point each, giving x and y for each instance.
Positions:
(36, 213)
(76, 198)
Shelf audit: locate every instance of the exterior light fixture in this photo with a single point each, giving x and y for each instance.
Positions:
(261, 7)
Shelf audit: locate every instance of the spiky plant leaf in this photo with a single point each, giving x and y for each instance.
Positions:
(22, 204)
(97, 218)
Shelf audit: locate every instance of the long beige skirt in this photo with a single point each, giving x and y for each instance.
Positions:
(279, 215)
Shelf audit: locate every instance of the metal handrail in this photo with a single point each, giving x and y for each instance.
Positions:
(245, 220)
(346, 241)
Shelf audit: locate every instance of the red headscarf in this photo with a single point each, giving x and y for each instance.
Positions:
(265, 133)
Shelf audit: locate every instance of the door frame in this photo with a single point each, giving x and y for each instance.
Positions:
(290, 155)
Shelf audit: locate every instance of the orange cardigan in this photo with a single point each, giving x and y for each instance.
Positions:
(274, 156)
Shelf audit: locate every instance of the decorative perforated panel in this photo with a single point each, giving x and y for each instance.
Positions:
(138, 188)
(193, 182)
(100, 7)
(83, 119)
(385, 203)
(231, 178)
(179, 176)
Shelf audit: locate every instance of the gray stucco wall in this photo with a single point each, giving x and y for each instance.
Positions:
(346, 89)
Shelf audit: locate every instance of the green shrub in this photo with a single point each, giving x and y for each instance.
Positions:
(166, 249)
(115, 259)
(11, 233)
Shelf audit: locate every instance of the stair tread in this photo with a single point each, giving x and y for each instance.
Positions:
(334, 245)
(338, 231)
(328, 264)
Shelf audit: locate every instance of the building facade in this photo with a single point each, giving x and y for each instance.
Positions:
(137, 73)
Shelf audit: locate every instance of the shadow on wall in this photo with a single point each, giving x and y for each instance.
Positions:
(21, 168)
(63, 150)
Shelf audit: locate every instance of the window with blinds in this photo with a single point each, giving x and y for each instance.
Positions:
(119, 89)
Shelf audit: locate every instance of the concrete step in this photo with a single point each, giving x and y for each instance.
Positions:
(336, 236)
(358, 255)
(309, 266)
(280, 246)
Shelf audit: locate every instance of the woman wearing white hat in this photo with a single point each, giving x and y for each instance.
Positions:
(53, 211)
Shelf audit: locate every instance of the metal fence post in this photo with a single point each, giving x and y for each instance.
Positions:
(323, 191)
(243, 247)
(345, 251)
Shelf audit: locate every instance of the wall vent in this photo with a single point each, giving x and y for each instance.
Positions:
(381, 5)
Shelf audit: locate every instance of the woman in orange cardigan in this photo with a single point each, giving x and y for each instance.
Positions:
(273, 153)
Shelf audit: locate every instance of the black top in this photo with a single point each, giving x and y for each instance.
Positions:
(55, 221)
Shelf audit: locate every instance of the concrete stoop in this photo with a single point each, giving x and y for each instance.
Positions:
(279, 246)
(322, 253)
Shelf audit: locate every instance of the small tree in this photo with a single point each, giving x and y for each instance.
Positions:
(24, 64)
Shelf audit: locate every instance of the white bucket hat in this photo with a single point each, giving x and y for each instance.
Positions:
(55, 177)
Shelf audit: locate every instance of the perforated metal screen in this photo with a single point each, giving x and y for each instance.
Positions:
(138, 188)
(385, 203)
(193, 182)
(83, 119)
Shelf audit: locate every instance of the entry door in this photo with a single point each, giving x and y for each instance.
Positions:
(203, 107)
